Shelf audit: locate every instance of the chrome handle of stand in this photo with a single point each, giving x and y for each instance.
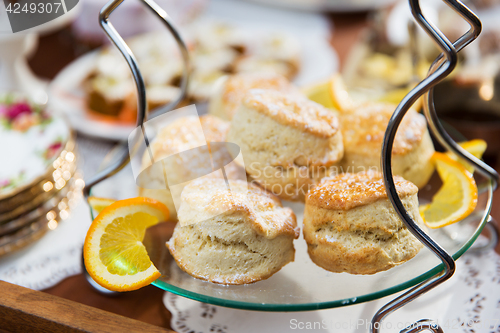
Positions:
(440, 69)
(118, 41)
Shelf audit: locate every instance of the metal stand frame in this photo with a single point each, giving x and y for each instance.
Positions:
(142, 113)
(442, 67)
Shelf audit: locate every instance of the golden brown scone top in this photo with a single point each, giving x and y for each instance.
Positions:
(214, 128)
(236, 86)
(268, 217)
(293, 110)
(350, 190)
(180, 134)
(364, 129)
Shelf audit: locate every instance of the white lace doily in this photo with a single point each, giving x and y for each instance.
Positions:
(469, 302)
(54, 257)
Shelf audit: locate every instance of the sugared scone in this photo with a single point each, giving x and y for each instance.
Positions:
(230, 90)
(235, 236)
(288, 143)
(363, 131)
(350, 225)
(179, 136)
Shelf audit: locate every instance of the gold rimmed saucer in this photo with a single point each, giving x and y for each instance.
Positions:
(41, 184)
(54, 205)
(62, 173)
(28, 232)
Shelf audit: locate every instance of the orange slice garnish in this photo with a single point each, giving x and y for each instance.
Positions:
(114, 254)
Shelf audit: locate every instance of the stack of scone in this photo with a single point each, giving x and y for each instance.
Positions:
(235, 232)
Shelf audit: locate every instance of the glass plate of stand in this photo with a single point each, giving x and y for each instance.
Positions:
(302, 285)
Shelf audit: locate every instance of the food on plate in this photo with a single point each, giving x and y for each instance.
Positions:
(179, 136)
(234, 235)
(320, 93)
(162, 95)
(363, 131)
(202, 83)
(455, 199)
(341, 99)
(206, 60)
(350, 225)
(229, 91)
(249, 64)
(218, 35)
(385, 69)
(216, 49)
(396, 70)
(288, 142)
(109, 86)
(282, 47)
(333, 94)
(113, 251)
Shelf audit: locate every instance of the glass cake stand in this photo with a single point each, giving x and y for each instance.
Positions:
(301, 285)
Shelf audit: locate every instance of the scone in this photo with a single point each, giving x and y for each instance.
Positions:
(288, 143)
(274, 53)
(253, 64)
(363, 131)
(179, 136)
(235, 236)
(350, 225)
(230, 90)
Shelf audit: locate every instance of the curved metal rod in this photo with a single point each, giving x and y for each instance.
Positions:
(427, 324)
(430, 112)
(435, 75)
(118, 41)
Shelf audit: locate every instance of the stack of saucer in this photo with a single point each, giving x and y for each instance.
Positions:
(38, 178)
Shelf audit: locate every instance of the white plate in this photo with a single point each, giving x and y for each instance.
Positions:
(67, 96)
(318, 61)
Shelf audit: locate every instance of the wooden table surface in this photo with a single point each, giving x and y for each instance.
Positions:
(60, 48)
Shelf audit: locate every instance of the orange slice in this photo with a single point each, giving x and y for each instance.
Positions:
(114, 254)
(456, 198)
(320, 93)
(333, 94)
(341, 99)
(476, 147)
(98, 204)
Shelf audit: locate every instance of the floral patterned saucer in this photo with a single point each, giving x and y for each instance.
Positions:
(38, 176)
(32, 140)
